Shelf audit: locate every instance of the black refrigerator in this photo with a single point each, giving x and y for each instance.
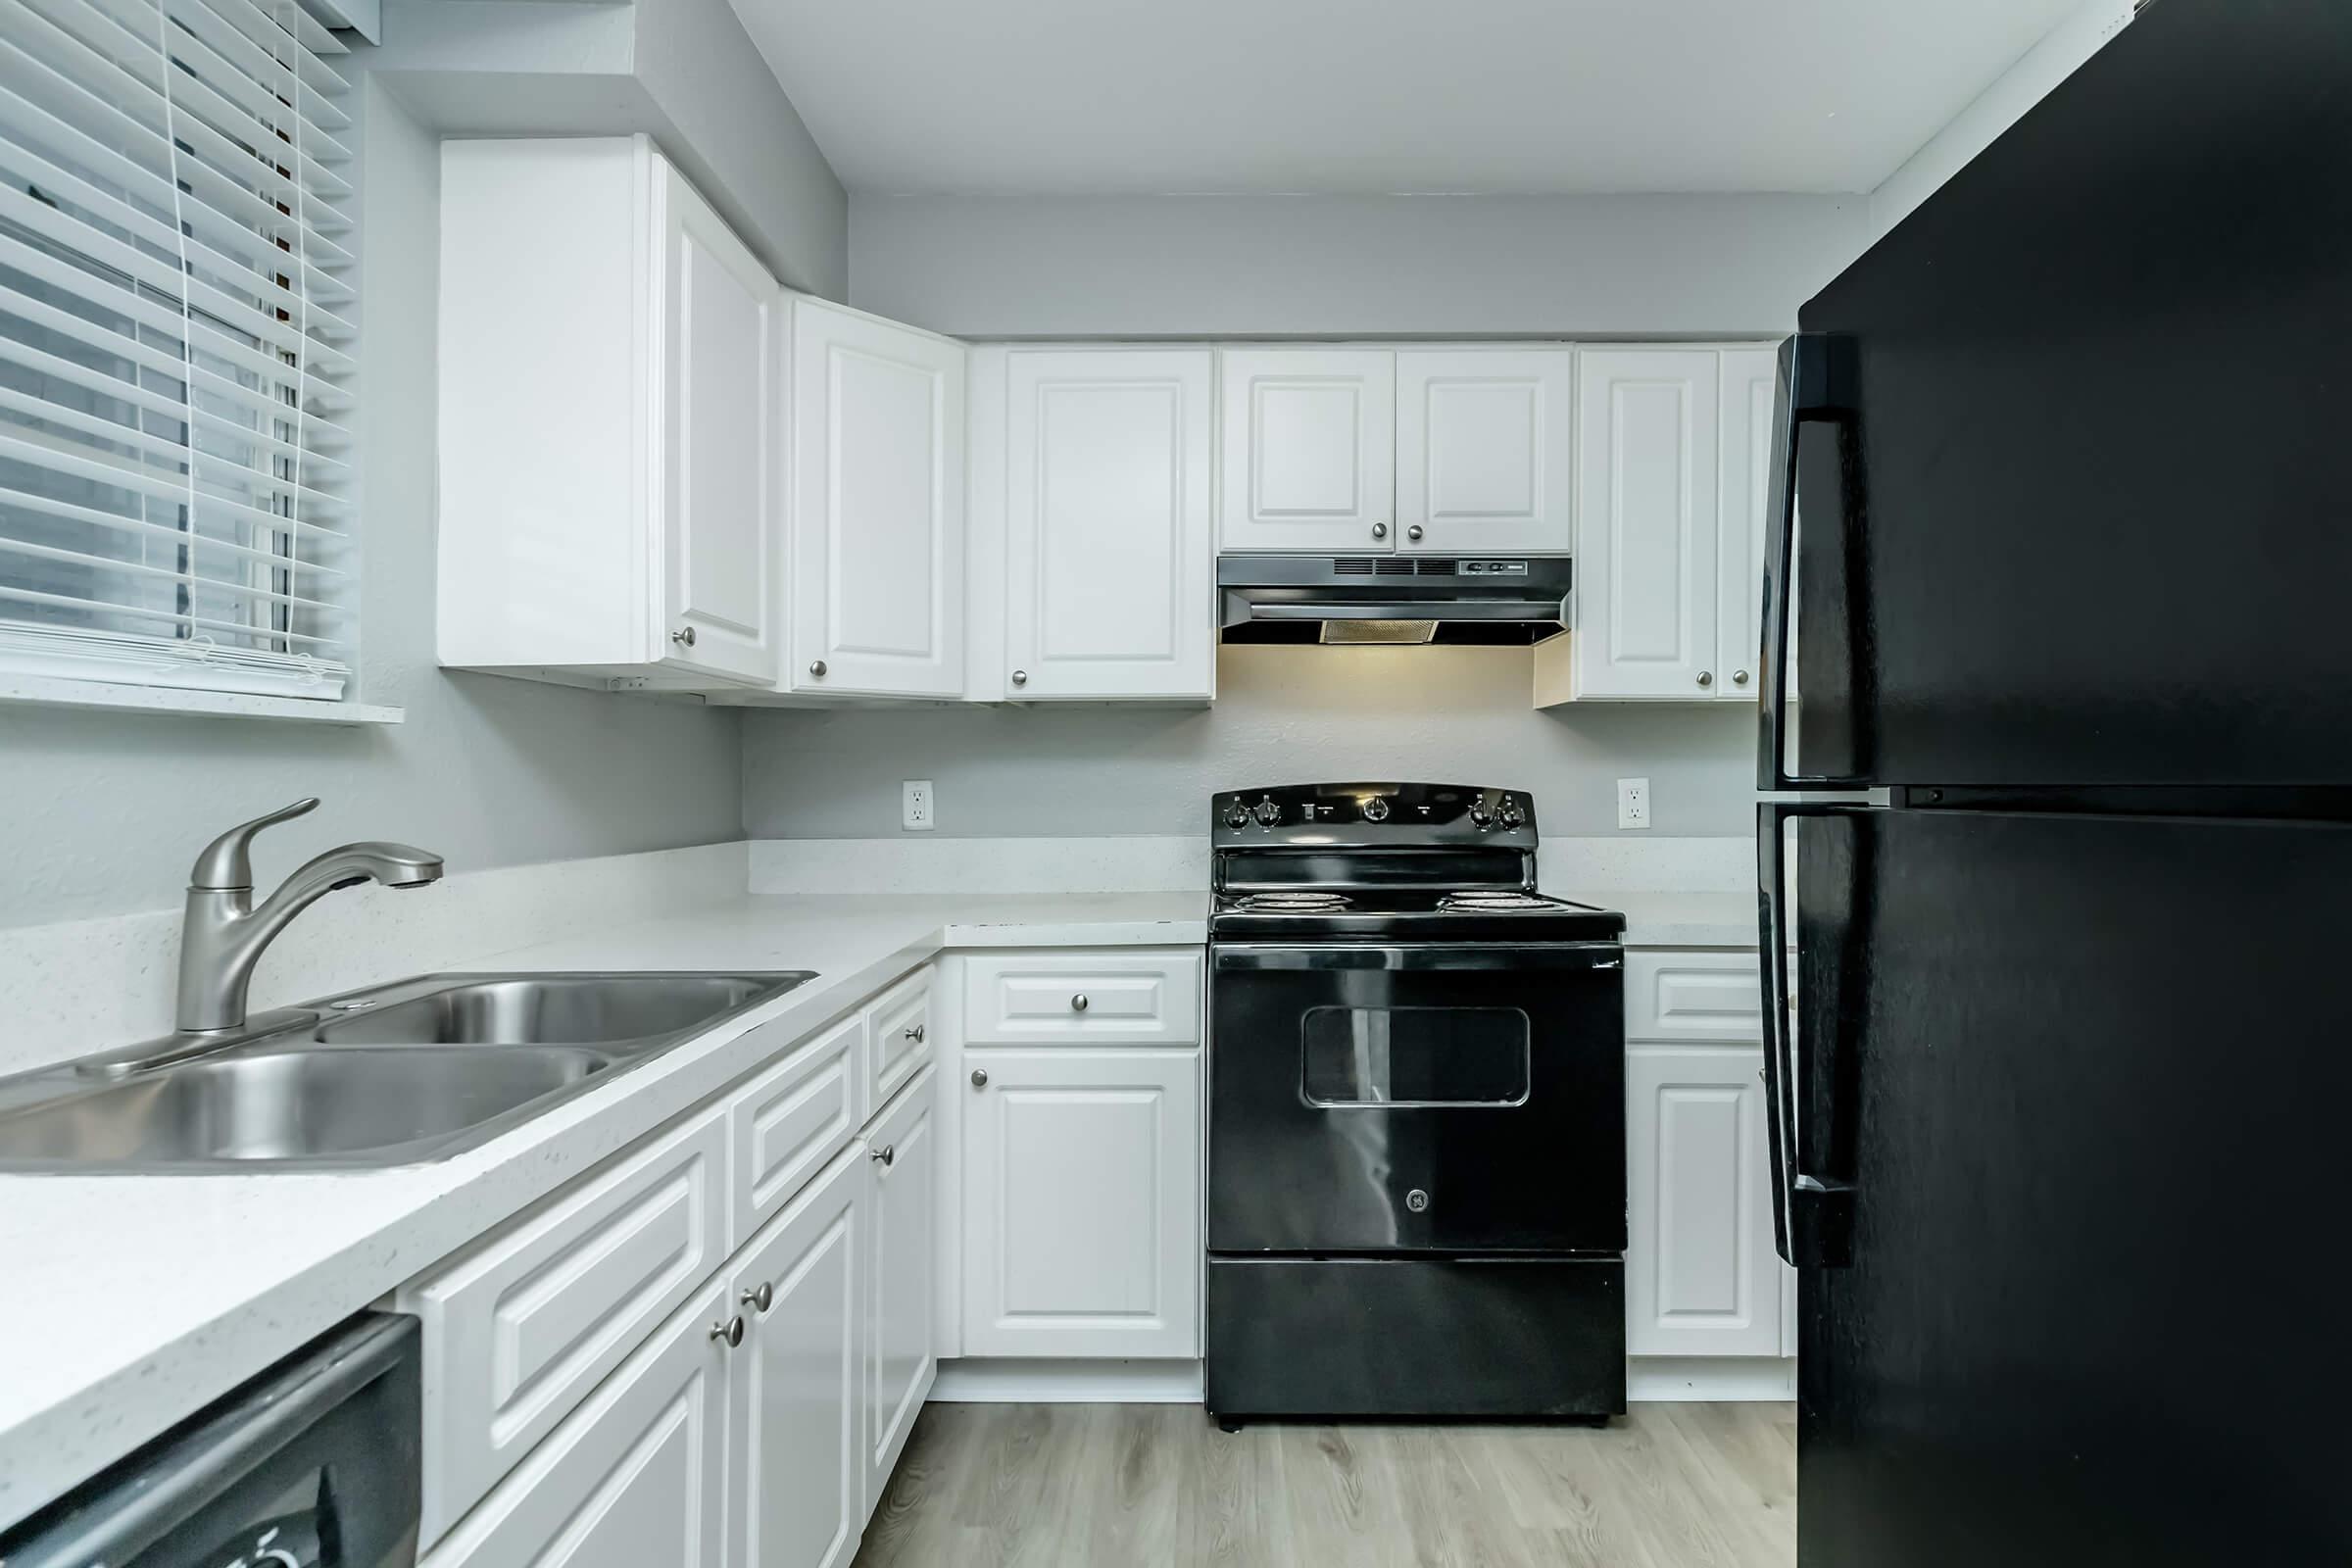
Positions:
(2060, 1065)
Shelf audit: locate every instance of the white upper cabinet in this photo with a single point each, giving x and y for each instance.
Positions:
(611, 456)
(722, 438)
(1486, 445)
(1310, 450)
(1647, 428)
(1748, 377)
(1111, 558)
(875, 576)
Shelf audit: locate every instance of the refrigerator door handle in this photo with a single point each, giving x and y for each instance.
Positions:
(1815, 385)
(1812, 1209)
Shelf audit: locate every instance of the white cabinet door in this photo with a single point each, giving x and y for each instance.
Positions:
(1701, 1275)
(1645, 523)
(1309, 459)
(635, 1476)
(1748, 375)
(1486, 447)
(902, 1209)
(1082, 1203)
(795, 1468)
(722, 439)
(876, 572)
(1111, 555)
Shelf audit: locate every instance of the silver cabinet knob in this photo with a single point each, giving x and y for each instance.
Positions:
(684, 635)
(1380, 530)
(1738, 678)
(1078, 1002)
(1021, 677)
(979, 1077)
(760, 1296)
(884, 1155)
(816, 668)
(1414, 532)
(913, 1032)
(730, 1330)
(1707, 677)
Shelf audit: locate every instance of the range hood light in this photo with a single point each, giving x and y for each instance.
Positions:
(1359, 633)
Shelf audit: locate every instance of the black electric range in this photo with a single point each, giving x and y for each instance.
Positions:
(1416, 1114)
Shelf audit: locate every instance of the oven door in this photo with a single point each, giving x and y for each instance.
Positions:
(1420, 1098)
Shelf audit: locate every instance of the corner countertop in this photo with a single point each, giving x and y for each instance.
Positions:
(132, 1301)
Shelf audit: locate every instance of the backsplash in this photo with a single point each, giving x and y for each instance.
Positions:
(922, 863)
(1457, 716)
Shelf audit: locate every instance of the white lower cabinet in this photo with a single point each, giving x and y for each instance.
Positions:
(753, 1425)
(903, 1244)
(1702, 1277)
(794, 1432)
(1082, 1203)
(636, 1475)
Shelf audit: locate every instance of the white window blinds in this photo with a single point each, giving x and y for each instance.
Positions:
(175, 332)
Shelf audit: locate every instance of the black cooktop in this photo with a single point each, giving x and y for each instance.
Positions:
(1485, 914)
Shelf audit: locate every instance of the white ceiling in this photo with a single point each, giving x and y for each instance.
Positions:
(1549, 96)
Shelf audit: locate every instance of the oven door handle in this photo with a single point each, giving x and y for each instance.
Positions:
(1548, 957)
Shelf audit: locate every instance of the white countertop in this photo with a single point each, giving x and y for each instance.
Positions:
(1678, 919)
(131, 1301)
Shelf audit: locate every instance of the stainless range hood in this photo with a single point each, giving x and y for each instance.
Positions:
(1392, 598)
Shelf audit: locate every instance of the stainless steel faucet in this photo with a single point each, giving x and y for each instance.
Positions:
(224, 932)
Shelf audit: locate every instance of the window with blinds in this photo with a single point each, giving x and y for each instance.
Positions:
(176, 338)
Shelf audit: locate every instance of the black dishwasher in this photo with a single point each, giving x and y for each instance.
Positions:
(312, 1464)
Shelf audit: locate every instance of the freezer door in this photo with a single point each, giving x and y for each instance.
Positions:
(2075, 512)
(2064, 1112)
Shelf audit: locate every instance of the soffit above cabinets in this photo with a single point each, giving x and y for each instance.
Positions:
(1383, 96)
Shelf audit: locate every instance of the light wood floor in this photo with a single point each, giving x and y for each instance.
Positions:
(1102, 1486)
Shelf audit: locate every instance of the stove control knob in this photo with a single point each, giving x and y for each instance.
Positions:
(1267, 812)
(1237, 816)
(1376, 809)
(1479, 816)
(1511, 816)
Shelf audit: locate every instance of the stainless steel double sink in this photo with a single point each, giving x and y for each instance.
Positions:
(393, 1075)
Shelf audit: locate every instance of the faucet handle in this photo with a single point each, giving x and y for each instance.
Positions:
(225, 866)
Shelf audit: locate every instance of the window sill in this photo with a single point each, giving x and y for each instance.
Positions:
(95, 694)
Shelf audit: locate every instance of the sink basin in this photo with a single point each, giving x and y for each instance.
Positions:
(534, 1009)
(308, 1107)
(394, 1075)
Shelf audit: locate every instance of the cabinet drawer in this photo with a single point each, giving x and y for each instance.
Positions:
(1145, 997)
(785, 1124)
(1672, 997)
(519, 1329)
(900, 1023)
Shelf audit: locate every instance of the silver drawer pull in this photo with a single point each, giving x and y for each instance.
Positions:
(913, 1032)
(760, 1296)
(1078, 1002)
(730, 1331)
(884, 1155)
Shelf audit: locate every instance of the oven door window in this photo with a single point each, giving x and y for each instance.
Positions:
(1406, 1057)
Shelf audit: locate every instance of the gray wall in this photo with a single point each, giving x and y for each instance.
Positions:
(106, 810)
(1299, 266)
(684, 71)
(1282, 714)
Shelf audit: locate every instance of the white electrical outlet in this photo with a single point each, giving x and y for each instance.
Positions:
(1633, 802)
(916, 805)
